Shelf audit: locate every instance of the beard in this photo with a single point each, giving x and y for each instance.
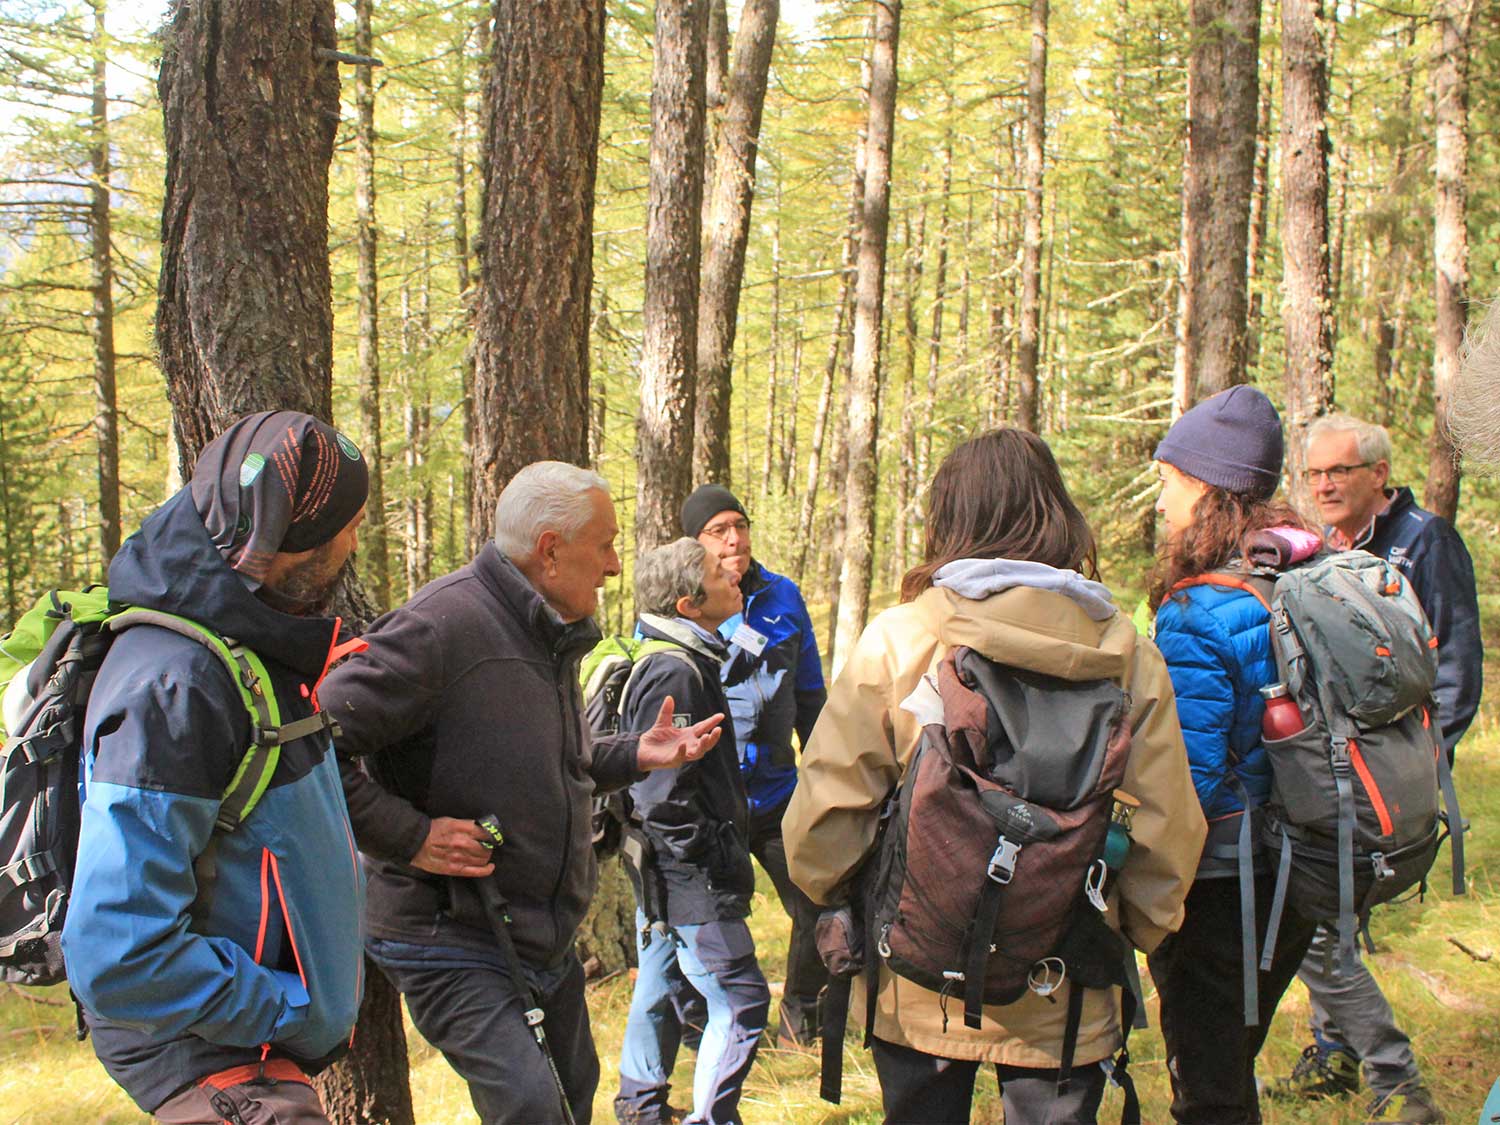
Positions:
(307, 590)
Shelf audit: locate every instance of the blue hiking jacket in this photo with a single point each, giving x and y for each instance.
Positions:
(1217, 645)
(775, 691)
(1434, 559)
(275, 958)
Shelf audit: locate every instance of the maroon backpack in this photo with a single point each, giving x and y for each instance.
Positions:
(997, 856)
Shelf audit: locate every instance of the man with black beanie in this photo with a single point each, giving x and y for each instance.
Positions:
(213, 989)
(774, 681)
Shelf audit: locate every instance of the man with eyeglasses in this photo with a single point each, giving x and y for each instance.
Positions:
(774, 681)
(1348, 469)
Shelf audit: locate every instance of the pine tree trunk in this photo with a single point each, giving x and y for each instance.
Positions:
(461, 266)
(998, 291)
(935, 340)
(669, 361)
(787, 467)
(244, 314)
(855, 573)
(773, 366)
(1028, 357)
(102, 284)
(373, 548)
(1260, 212)
(727, 211)
(1307, 317)
(842, 311)
(1450, 246)
(531, 335)
(1223, 89)
(244, 318)
(906, 460)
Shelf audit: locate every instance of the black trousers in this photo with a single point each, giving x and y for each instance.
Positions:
(1210, 1051)
(921, 1089)
(476, 1016)
(805, 975)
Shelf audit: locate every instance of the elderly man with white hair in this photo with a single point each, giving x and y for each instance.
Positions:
(466, 705)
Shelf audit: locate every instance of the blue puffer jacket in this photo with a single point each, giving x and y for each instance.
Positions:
(275, 957)
(1217, 645)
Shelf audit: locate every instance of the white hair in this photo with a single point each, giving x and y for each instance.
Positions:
(1371, 440)
(1474, 413)
(544, 496)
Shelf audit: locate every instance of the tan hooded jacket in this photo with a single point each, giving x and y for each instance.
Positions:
(863, 741)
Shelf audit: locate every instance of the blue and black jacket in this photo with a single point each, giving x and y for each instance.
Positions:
(1217, 645)
(774, 685)
(1434, 559)
(174, 985)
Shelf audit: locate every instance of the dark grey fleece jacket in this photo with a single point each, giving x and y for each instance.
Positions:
(466, 703)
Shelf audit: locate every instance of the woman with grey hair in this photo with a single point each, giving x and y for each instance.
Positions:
(696, 878)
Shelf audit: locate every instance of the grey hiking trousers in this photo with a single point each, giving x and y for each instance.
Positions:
(1348, 1008)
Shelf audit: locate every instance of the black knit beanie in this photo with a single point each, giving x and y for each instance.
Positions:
(1232, 440)
(277, 481)
(704, 504)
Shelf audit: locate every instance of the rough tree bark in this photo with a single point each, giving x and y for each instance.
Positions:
(373, 538)
(1029, 351)
(869, 289)
(1450, 245)
(244, 319)
(1307, 309)
(1223, 86)
(244, 315)
(669, 360)
(727, 215)
(531, 336)
(102, 283)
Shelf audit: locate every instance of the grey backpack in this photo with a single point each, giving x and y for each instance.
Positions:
(1354, 817)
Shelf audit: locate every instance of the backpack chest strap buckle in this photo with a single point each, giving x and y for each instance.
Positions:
(1002, 865)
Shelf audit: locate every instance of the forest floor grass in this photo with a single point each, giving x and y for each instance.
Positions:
(1446, 1000)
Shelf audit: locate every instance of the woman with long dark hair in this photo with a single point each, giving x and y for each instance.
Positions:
(1220, 465)
(1009, 572)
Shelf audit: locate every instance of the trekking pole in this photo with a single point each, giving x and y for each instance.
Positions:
(497, 910)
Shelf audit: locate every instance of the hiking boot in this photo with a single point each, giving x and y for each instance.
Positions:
(1321, 1072)
(1410, 1104)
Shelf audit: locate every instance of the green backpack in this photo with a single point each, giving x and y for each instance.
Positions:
(606, 675)
(47, 667)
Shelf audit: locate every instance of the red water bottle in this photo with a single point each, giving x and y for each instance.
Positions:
(1282, 718)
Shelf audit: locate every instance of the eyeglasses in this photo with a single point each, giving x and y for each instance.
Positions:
(720, 531)
(1334, 474)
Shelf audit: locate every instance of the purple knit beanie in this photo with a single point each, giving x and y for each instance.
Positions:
(1232, 440)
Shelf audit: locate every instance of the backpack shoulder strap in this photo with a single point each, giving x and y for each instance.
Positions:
(1255, 582)
(650, 648)
(253, 682)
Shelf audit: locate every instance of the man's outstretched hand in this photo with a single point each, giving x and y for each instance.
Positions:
(665, 746)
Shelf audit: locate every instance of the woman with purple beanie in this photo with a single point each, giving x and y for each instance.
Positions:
(1220, 464)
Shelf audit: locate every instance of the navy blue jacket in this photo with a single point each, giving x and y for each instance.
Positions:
(694, 815)
(276, 957)
(1434, 559)
(775, 691)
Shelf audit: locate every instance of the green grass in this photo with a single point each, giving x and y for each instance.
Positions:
(1448, 1002)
